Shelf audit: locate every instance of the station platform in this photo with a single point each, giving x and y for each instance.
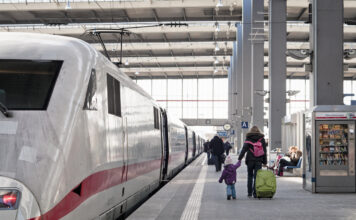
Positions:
(195, 193)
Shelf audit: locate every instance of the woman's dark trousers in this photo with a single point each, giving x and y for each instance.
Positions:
(252, 167)
(217, 160)
(283, 163)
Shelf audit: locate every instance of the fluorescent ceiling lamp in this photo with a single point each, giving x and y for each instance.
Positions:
(126, 62)
(219, 4)
(216, 61)
(68, 5)
(217, 48)
(217, 29)
(137, 73)
(215, 70)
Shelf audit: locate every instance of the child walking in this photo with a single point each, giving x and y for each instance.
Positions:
(229, 175)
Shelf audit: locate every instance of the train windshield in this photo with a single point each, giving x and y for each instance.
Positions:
(27, 84)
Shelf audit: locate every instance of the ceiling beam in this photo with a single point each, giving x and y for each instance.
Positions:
(96, 15)
(126, 15)
(301, 13)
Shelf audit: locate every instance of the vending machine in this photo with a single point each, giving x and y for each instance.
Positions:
(329, 149)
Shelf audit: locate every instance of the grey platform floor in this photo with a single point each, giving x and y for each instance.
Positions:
(196, 194)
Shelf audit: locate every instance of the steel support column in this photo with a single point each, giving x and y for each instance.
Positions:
(327, 60)
(246, 63)
(229, 92)
(233, 78)
(234, 92)
(257, 40)
(277, 70)
(239, 84)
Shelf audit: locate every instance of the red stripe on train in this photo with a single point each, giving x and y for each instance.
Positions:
(330, 117)
(98, 182)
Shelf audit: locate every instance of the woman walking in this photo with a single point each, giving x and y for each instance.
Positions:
(255, 146)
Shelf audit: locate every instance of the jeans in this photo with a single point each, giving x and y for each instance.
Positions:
(252, 168)
(217, 161)
(208, 155)
(230, 190)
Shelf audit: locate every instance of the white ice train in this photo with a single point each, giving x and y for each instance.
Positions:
(81, 140)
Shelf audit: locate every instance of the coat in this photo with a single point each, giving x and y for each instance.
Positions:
(217, 146)
(253, 137)
(206, 147)
(229, 174)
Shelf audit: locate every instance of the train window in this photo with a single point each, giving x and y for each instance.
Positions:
(156, 118)
(90, 102)
(114, 96)
(27, 84)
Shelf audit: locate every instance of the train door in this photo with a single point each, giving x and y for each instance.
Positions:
(165, 145)
(117, 136)
(186, 144)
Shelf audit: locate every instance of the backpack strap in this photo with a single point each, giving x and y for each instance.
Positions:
(251, 143)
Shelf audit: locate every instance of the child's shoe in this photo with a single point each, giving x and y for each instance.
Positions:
(228, 197)
(234, 198)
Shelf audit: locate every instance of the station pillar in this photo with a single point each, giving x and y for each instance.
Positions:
(277, 70)
(239, 87)
(327, 44)
(233, 97)
(257, 40)
(229, 112)
(246, 64)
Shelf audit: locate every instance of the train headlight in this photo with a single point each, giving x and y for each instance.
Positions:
(9, 199)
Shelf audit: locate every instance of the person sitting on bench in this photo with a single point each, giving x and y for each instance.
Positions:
(290, 159)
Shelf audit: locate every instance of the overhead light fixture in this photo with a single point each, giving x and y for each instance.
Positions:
(217, 29)
(68, 5)
(217, 48)
(215, 70)
(216, 61)
(292, 92)
(126, 62)
(137, 73)
(261, 92)
(219, 4)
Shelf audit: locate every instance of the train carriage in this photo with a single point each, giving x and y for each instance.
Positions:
(78, 138)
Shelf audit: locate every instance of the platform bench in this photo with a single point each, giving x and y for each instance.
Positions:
(299, 164)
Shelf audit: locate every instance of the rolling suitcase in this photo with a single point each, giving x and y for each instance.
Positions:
(265, 184)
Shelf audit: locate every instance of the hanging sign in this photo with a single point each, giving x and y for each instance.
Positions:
(244, 124)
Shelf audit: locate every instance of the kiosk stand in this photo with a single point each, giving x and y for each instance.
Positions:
(329, 149)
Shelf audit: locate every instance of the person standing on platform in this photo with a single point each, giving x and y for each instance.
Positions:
(207, 149)
(217, 150)
(255, 147)
(227, 147)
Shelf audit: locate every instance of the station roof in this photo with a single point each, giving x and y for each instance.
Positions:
(201, 49)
